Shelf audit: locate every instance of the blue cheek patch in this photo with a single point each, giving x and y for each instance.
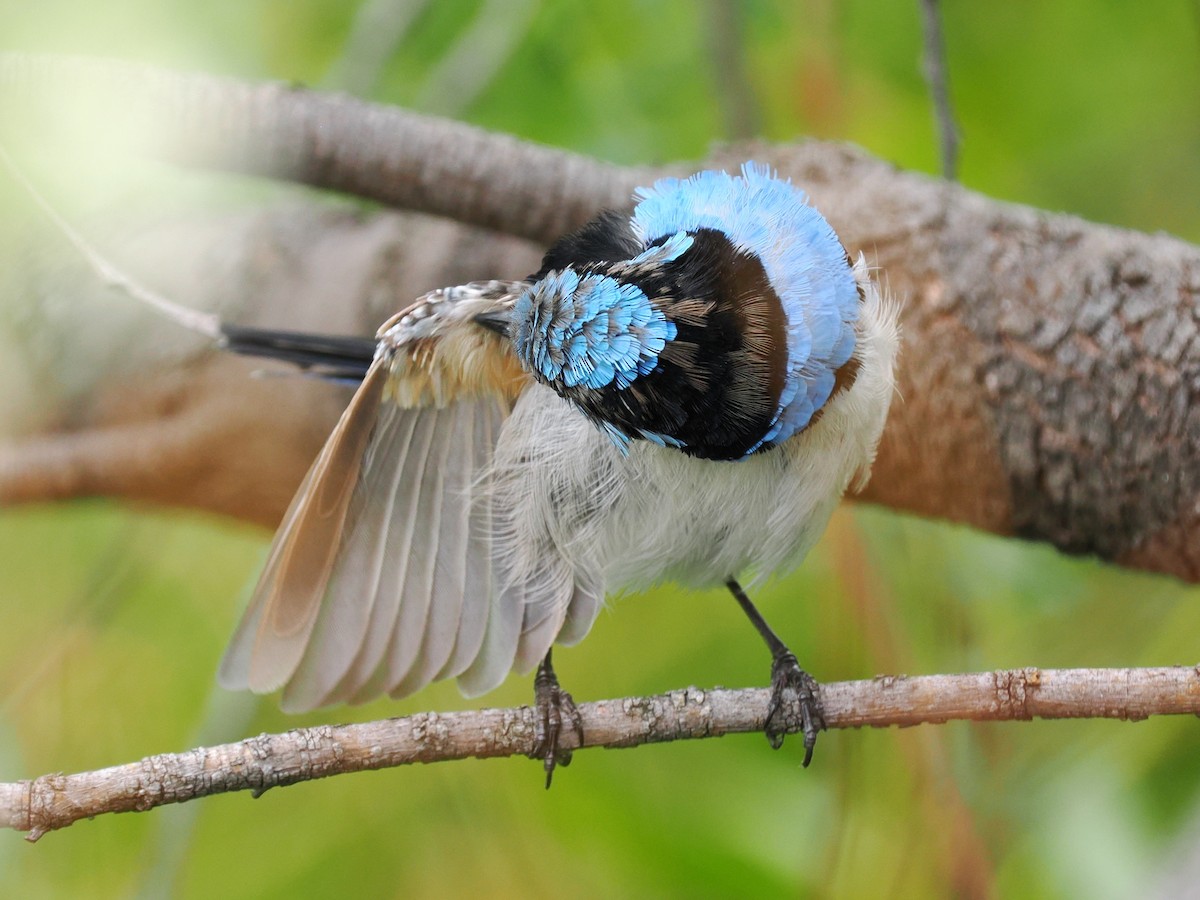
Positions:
(590, 331)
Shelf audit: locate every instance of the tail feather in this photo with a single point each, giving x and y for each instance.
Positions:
(338, 358)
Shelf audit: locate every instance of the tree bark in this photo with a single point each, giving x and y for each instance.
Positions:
(1048, 379)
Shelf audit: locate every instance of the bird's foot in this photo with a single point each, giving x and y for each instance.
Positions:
(795, 706)
(555, 710)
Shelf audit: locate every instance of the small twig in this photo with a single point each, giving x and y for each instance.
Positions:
(937, 76)
(732, 88)
(203, 323)
(273, 760)
(378, 30)
(477, 55)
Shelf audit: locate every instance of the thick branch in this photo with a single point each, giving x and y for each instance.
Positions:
(1049, 382)
(275, 760)
(332, 141)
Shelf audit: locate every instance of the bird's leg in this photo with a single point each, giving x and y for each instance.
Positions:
(555, 710)
(794, 702)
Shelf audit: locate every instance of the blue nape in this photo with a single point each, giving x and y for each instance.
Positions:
(803, 258)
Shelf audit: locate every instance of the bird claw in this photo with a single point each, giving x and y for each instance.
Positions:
(555, 709)
(795, 706)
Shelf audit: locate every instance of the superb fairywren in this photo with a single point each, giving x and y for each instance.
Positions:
(683, 393)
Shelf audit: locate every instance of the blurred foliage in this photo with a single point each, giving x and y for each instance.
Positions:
(114, 619)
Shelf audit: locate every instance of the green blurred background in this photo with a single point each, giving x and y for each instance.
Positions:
(113, 619)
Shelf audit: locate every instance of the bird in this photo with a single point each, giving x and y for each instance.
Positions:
(682, 393)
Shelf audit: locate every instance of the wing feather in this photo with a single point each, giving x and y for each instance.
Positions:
(355, 599)
(417, 587)
(586, 601)
(447, 592)
(274, 632)
(543, 620)
(499, 647)
(479, 580)
(398, 521)
(395, 564)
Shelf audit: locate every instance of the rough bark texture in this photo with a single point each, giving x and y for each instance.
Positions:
(1048, 381)
(274, 760)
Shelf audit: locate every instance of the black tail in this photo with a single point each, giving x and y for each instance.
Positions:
(326, 356)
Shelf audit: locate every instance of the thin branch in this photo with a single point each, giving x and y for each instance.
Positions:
(732, 87)
(283, 131)
(479, 53)
(274, 760)
(207, 324)
(938, 77)
(378, 30)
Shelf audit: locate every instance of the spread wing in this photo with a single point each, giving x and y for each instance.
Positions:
(384, 576)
